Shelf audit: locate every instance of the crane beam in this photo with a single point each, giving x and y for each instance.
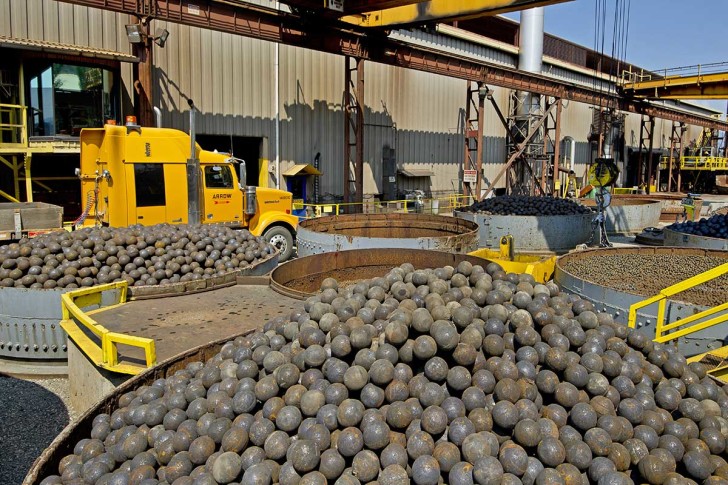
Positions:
(348, 7)
(241, 18)
(440, 10)
(700, 86)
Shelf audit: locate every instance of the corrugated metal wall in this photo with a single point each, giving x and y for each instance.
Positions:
(231, 80)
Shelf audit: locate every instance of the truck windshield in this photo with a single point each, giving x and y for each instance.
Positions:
(218, 177)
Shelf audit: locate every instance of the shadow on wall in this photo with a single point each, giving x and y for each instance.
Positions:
(317, 126)
(32, 417)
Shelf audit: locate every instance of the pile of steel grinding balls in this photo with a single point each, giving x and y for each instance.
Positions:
(715, 226)
(458, 376)
(521, 205)
(141, 255)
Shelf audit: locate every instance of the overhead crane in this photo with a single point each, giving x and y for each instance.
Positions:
(390, 13)
(701, 82)
(441, 11)
(706, 81)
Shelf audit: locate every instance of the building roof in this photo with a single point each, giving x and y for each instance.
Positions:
(301, 169)
(57, 47)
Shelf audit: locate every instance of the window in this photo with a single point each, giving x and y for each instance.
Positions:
(65, 98)
(149, 184)
(218, 177)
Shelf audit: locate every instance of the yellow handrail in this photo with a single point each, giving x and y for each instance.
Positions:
(698, 163)
(17, 126)
(453, 201)
(105, 356)
(661, 328)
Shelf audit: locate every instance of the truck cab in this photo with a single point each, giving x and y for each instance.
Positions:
(138, 175)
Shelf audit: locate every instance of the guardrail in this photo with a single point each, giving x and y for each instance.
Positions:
(434, 205)
(102, 350)
(13, 126)
(697, 163)
(694, 323)
(703, 163)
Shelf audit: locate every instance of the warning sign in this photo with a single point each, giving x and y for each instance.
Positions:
(470, 176)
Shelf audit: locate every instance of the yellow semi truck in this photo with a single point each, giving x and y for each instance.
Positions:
(138, 175)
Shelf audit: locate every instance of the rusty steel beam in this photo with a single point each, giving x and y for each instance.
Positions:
(249, 20)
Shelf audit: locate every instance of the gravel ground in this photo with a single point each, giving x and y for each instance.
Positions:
(646, 274)
(32, 413)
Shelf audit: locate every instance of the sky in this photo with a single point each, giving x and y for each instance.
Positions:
(662, 33)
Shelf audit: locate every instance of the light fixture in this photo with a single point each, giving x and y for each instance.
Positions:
(160, 37)
(135, 34)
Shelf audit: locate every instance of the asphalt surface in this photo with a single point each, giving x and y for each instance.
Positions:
(32, 413)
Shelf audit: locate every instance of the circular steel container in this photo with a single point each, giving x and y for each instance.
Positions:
(302, 277)
(30, 324)
(532, 234)
(30, 319)
(629, 216)
(368, 231)
(674, 238)
(617, 302)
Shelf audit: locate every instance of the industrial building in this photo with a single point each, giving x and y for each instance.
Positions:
(356, 242)
(281, 107)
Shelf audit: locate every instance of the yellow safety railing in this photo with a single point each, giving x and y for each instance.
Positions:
(105, 356)
(13, 126)
(624, 190)
(693, 323)
(703, 163)
(697, 163)
(434, 205)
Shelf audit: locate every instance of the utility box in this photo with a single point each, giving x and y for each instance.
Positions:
(389, 173)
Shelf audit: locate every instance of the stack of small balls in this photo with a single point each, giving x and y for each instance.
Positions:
(141, 255)
(523, 205)
(462, 375)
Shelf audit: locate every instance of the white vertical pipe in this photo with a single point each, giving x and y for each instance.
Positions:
(530, 53)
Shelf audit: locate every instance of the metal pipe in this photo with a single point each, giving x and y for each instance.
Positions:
(276, 100)
(158, 116)
(193, 173)
(530, 54)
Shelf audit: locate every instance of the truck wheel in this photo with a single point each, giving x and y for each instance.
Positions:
(282, 239)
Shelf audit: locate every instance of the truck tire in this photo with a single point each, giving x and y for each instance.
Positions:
(282, 239)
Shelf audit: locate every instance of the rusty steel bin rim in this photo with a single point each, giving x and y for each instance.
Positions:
(318, 266)
(364, 231)
(47, 463)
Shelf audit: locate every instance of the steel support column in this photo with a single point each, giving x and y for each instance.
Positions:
(647, 128)
(354, 130)
(474, 124)
(28, 179)
(551, 149)
(143, 78)
(555, 182)
(676, 150)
